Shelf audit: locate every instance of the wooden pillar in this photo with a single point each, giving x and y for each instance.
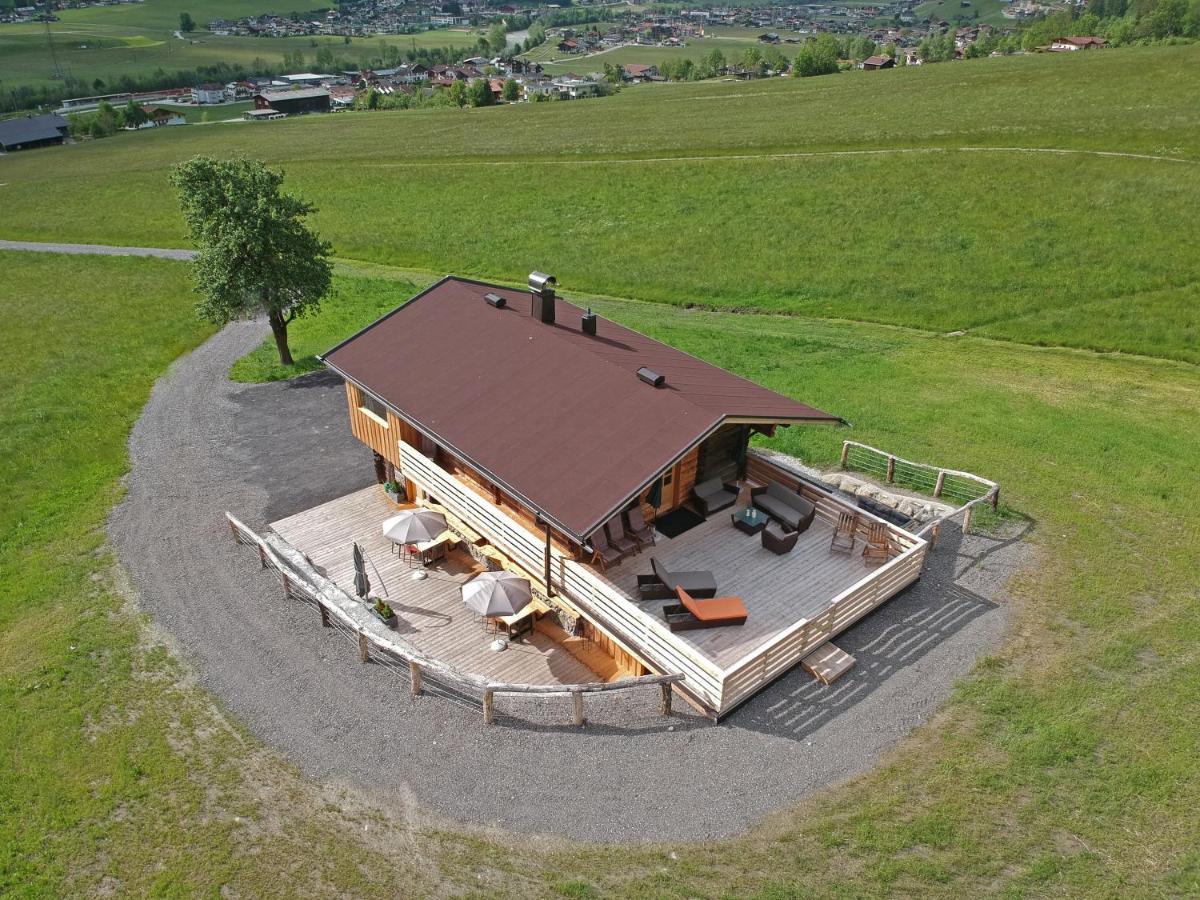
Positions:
(941, 482)
(324, 614)
(665, 707)
(488, 707)
(577, 708)
(891, 475)
(414, 674)
(845, 452)
(364, 651)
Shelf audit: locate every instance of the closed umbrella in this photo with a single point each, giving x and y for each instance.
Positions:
(414, 526)
(655, 497)
(362, 584)
(497, 593)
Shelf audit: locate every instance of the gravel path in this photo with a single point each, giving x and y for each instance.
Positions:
(204, 445)
(97, 249)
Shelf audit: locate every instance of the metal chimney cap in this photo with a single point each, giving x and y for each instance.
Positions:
(539, 281)
(651, 377)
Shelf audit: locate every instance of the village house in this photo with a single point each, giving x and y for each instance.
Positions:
(878, 62)
(27, 132)
(1068, 44)
(295, 102)
(208, 93)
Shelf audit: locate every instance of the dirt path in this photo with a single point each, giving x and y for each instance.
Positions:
(97, 249)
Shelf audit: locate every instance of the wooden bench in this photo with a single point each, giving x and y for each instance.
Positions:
(828, 663)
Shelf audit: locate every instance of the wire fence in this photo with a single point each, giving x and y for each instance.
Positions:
(350, 619)
(964, 490)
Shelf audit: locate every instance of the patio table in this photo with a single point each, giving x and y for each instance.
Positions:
(429, 551)
(750, 520)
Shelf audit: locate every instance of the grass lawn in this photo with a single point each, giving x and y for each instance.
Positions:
(1065, 765)
(1038, 248)
(200, 115)
(557, 63)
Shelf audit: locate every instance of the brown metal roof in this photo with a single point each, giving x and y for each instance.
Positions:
(555, 416)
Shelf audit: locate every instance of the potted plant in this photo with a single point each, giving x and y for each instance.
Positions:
(382, 611)
(395, 491)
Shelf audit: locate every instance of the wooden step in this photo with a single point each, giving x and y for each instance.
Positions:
(828, 663)
(582, 649)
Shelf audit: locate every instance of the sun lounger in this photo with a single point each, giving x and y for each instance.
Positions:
(695, 612)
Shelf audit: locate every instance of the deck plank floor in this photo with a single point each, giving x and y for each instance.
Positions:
(431, 614)
(778, 591)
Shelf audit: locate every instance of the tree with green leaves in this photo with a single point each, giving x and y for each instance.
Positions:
(255, 254)
(818, 56)
(497, 39)
(480, 93)
(511, 91)
(186, 23)
(133, 116)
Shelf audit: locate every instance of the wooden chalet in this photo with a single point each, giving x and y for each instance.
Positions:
(532, 423)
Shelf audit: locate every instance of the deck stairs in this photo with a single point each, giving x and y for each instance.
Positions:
(828, 663)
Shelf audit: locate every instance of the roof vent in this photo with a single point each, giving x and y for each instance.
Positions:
(541, 289)
(495, 300)
(651, 377)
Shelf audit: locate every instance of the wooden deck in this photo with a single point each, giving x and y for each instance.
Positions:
(778, 591)
(431, 612)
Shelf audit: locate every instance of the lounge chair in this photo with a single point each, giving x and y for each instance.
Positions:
(844, 534)
(778, 539)
(784, 505)
(616, 537)
(636, 527)
(879, 545)
(602, 553)
(661, 585)
(714, 494)
(694, 612)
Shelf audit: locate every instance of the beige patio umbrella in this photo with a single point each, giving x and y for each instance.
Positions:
(497, 593)
(414, 526)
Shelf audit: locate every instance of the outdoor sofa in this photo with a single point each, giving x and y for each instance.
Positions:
(784, 506)
(714, 494)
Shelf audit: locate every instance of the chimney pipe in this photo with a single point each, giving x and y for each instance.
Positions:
(541, 291)
(589, 322)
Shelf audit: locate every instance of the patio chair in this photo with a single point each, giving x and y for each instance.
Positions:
(844, 535)
(602, 553)
(636, 527)
(617, 539)
(879, 545)
(778, 539)
(714, 494)
(694, 612)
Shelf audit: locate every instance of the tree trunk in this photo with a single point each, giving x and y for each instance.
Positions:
(279, 328)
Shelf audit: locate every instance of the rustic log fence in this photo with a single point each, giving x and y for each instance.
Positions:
(350, 618)
(965, 489)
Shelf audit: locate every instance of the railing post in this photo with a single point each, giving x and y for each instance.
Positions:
(891, 470)
(324, 614)
(414, 674)
(488, 704)
(845, 452)
(364, 650)
(577, 708)
(941, 482)
(287, 586)
(665, 707)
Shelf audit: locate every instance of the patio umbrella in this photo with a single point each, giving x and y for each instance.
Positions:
(413, 526)
(362, 584)
(497, 593)
(655, 496)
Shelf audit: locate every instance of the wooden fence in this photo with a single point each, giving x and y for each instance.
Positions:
(339, 611)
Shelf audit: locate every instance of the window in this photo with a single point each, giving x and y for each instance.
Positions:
(372, 407)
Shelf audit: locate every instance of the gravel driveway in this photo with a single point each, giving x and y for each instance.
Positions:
(204, 445)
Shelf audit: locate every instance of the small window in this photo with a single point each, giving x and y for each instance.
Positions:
(372, 407)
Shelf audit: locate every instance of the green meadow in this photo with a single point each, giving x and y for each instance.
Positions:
(1065, 765)
(909, 197)
(138, 39)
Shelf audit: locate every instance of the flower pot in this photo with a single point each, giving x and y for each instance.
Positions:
(389, 620)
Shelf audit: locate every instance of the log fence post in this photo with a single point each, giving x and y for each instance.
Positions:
(324, 614)
(665, 707)
(287, 585)
(966, 525)
(941, 483)
(414, 674)
(364, 649)
(845, 452)
(489, 702)
(577, 708)
(891, 469)
(237, 538)
(262, 555)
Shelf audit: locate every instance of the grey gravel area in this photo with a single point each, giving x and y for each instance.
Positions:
(96, 249)
(204, 445)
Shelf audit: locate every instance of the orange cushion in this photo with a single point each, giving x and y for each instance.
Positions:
(714, 609)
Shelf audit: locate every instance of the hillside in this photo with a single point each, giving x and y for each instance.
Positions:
(900, 197)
